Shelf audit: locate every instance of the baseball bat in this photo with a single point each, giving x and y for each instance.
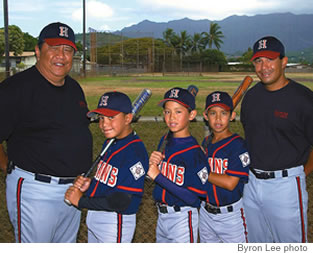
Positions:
(137, 105)
(193, 89)
(241, 90)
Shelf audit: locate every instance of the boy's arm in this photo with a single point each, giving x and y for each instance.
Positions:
(82, 183)
(114, 202)
(223, 180)
(184, 194)
(73, 194)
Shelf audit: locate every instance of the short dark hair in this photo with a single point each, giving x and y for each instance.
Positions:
(40, 45)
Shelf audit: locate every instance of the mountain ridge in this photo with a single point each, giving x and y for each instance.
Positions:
(294, 30)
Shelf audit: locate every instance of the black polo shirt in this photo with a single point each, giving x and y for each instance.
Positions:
(45, 126)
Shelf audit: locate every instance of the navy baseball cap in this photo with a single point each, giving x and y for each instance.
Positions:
(56, 34)
(181, 96)
(269, 47)
(111, 104)
(219, 98)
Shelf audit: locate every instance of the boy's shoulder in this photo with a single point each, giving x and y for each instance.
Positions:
(181, 143)
(234, 139)
(129, 142)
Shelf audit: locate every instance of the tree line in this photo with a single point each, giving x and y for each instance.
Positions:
(20, 41)
(176, 49)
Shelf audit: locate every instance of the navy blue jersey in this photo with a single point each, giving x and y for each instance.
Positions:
(184, 165)
(122, 168)
(228, 156)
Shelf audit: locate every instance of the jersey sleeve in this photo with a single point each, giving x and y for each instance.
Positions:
(184, 194)
(197, 173)
(239, 161)
(115, 202)
(133, 175)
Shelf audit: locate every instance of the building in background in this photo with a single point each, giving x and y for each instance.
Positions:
(19, 62)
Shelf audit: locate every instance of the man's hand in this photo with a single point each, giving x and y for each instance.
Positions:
(308, 167)
(3, 159)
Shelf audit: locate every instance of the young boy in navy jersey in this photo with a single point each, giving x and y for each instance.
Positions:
(221, 215)
(114, 194)
(179, 171)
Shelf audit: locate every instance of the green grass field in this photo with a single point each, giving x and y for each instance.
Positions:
(150, 132)
(132, 85)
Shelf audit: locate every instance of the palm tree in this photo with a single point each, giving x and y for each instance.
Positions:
(196, 45)
(184, 42)
(183, 45)
(168, 36)
(214, 36)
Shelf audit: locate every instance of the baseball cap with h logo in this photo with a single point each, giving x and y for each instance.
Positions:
(219, 98)
(56, 34)
(111, 104)
(269, 47)
(181, 96)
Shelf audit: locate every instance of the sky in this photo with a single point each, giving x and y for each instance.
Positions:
(113, 15)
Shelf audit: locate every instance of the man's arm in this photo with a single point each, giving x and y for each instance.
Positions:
(3, 159)
(308, 167)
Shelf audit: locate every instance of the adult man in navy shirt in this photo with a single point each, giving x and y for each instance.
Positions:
(278, 121)
(43, 121)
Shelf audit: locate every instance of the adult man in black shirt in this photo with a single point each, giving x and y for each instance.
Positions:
(277, 116)
(43, 121)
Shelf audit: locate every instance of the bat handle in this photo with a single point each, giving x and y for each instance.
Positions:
(95, 163)
(67, 202)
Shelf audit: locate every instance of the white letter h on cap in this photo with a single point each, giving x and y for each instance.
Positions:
(63, 31)
(174, 93)
(262, 44)
(104, 101)
(216, 97)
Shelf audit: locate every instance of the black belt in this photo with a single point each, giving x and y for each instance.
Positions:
(267, 175)
(216, 210)
(47, 179)
(163, 208)
(43, 178)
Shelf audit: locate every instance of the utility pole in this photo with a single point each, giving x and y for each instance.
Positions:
(6, 37)
(84, 38)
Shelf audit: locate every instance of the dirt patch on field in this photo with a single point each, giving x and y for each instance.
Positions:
(92, 90)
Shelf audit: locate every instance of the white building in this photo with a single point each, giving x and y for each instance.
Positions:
(27, 58)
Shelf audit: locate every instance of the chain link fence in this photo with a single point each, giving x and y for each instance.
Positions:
(147, 214)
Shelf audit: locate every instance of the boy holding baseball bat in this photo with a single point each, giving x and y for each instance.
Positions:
(221, 215)
(113, 196)
(179, 171)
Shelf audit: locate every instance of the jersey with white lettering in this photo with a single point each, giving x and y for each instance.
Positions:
(228, 156)
(184, 165)
(122, 168)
